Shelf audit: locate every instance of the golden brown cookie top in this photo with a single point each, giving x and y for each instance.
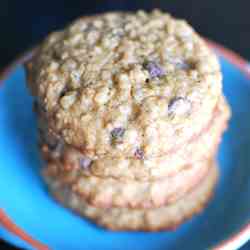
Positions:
(125, 83)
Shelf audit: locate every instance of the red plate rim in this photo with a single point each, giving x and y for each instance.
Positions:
(242, 235)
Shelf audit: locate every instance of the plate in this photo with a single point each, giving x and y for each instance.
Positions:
(32, 220)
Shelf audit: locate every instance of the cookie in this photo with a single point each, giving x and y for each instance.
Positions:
(130, 114)
(167, 217)
(124, 84)
(109, 192)
(202, 146)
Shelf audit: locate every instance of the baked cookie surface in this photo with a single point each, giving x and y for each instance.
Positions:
(163, 218)
(200, 147)
(109, 192)
(125, 84)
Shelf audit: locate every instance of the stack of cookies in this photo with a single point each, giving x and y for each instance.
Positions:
(130, 115)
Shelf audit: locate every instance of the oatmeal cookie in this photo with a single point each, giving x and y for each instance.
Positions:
(109, 192)
(167, 217)
(125, 84)
(202, 146)
(130, 115)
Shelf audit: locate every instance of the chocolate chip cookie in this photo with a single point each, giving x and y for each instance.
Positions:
(124, 84)
(130, 115)
(167, 217)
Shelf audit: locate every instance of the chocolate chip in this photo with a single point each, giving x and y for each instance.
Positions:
(85, 162)
(154, 69)
(139, 154)
(117, 133)
(179, 106)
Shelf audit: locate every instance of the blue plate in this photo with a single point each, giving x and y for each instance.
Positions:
(25, 203)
